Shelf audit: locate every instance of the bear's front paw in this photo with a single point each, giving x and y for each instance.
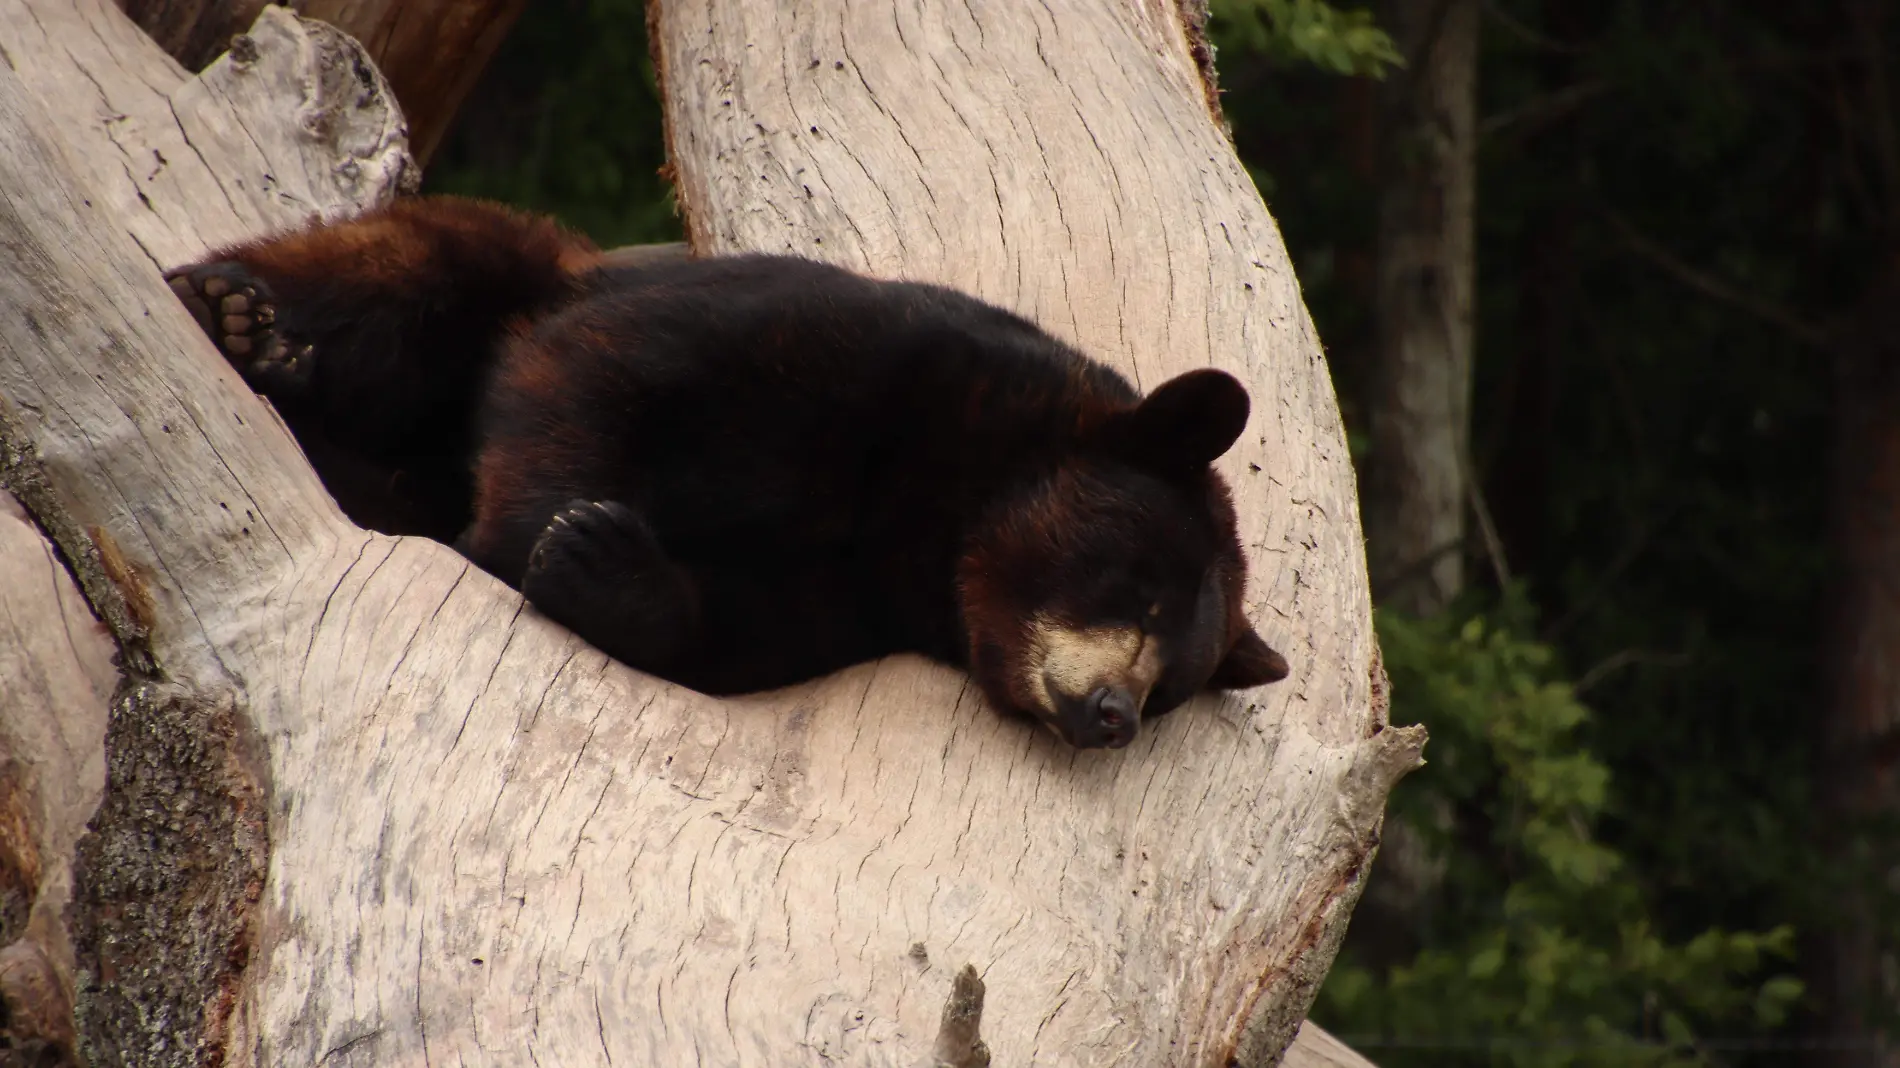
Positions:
(598, 568)
(588, 542)
(238, 312)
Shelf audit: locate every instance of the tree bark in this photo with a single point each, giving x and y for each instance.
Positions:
(431, 50)
(55, 659)
(363, 808)
(1419, 399)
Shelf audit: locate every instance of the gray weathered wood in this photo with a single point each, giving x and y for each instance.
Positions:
(432, 50)
(437, 827)
(295, 125)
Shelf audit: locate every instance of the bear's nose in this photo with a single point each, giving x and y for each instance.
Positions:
(1114, 708)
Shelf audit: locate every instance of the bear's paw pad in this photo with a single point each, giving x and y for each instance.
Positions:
(238, 312)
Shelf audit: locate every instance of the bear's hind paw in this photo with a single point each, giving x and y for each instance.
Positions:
(238, 312)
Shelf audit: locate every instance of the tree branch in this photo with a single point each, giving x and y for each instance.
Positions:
(1537, 112)
(1487, 525)
(1708, 285)
(1523, 31)
(432, 51)
(1621, 659)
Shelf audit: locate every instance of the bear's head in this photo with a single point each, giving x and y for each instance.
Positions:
(1109, 587)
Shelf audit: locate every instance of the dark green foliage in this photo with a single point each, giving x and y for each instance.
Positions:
(1539, 945)
(567, 120)
(1656, 457)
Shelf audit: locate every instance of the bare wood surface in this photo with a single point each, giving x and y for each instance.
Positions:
(437, 827)
(296, 126)
(647, 255)
(1314, 1047)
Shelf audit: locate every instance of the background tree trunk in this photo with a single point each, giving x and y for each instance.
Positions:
(1860, 742)
(432, 51)
(365, 809)
(1419, 398)
(1853, 968)
(193, 32)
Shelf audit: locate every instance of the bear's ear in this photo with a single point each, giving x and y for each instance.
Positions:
(1187, 422)
(1251, 662)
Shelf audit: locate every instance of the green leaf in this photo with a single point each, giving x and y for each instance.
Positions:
(1306, 31)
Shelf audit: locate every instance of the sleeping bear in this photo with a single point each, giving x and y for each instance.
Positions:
(739, 473)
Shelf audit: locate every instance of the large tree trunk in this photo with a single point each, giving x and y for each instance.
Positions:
(363, 808)
(1860, 735)
(432, 50)
(1419, 399)
(1853, 961)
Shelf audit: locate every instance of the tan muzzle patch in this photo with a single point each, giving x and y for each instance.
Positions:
(1072, 662)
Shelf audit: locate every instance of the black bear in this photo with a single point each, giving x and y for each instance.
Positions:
(738, 473)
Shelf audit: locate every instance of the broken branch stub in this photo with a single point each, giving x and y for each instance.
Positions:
(959, 1039)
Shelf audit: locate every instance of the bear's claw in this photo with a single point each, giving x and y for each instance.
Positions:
(598, 569)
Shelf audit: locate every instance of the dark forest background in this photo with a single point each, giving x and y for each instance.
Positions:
(1663, 679)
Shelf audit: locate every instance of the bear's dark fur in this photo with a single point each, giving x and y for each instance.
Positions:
(740, 473)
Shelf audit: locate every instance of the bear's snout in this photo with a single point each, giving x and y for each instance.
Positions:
(1108, 718)
(1116, 715)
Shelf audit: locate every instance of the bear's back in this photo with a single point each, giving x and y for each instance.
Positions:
(733, 361)
(778, 319)
(765, 394)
